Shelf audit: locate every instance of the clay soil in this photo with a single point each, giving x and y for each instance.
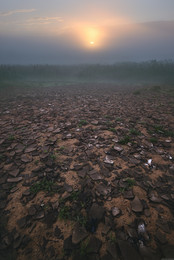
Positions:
(82, 168)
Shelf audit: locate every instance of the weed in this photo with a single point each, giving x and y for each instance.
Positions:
(130, 182)
(11, 138)
(64, 212)
(82, 220)
(82, 122)
(112, 130)
(36, 162)
(137, 92)
(125, 140)
(74, 195)
(133, 131)
(44, 185)
(118, 119)
(62, 148)
(122, 189)
(156, 88)
(83, 251)
(112, 238)
(153, 140)
(53, 156)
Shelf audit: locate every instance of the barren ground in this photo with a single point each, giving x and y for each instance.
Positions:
(87, 173)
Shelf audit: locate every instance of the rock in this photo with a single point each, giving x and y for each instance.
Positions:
(147, 212)
(128, 252)
(115, 212)
(22, 222)
(128, 194)
(111, 248)
(96, 212)
(94, 175)
(168, 251)
(142, 230)
(67, 187)
(14, 180)
(32, 210)
(103, 189)
(153, 197)
(118, 148)
(107, 160)
(93, 245)
(136, 205)
(147, 253)
(79, 233)
(30, 149)
(161, 237)
(14, 172)
(26, 158)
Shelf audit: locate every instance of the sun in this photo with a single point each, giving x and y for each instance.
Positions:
(91, 43)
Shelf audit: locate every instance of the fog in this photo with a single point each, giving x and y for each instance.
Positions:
(135, 42)
(128, 73)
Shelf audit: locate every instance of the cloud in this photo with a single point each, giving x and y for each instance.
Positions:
(45, 20)
(17, 11)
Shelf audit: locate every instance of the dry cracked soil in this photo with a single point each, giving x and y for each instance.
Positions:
(87, 172)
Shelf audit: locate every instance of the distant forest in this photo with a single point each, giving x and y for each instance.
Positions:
(152, 71)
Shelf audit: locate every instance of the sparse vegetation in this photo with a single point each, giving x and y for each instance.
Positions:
(64, 212)
(130, 182)
(125, 140)
(135, 132)
(112, 130)
(153, 140)
(82, 122)
(44, 185)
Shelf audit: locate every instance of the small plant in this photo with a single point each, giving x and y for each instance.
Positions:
(44, 185)
(125, 140)
(64, 212)
(133, 131)
(137, 92)
(82, 122)
(83, 251)
(74, 195)
(53, 156)
(11, 138)
(118, 119)
(153, 140)
(130, 182)
(156, 88)
(112, 130)
(62, 148)
(36, 162)
(112, 238)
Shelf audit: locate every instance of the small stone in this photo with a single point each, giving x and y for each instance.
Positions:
(96, 212)
(79, 233)
(128, 194)
(118, 148)
(108, 160)
(26, 158)
(14, 180)
(94, 245)
(115, 211)
(147, 212)
(14, 172)
(137, 205)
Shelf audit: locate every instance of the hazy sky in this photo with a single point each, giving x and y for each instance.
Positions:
(93, 31)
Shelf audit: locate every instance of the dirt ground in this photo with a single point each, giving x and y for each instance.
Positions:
(87, 172)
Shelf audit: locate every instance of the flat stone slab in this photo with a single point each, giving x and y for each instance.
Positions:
(14, 180)
(96, 212)
(79, 233)
(136, 205)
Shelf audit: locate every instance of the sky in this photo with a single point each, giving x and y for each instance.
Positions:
(80, 32)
